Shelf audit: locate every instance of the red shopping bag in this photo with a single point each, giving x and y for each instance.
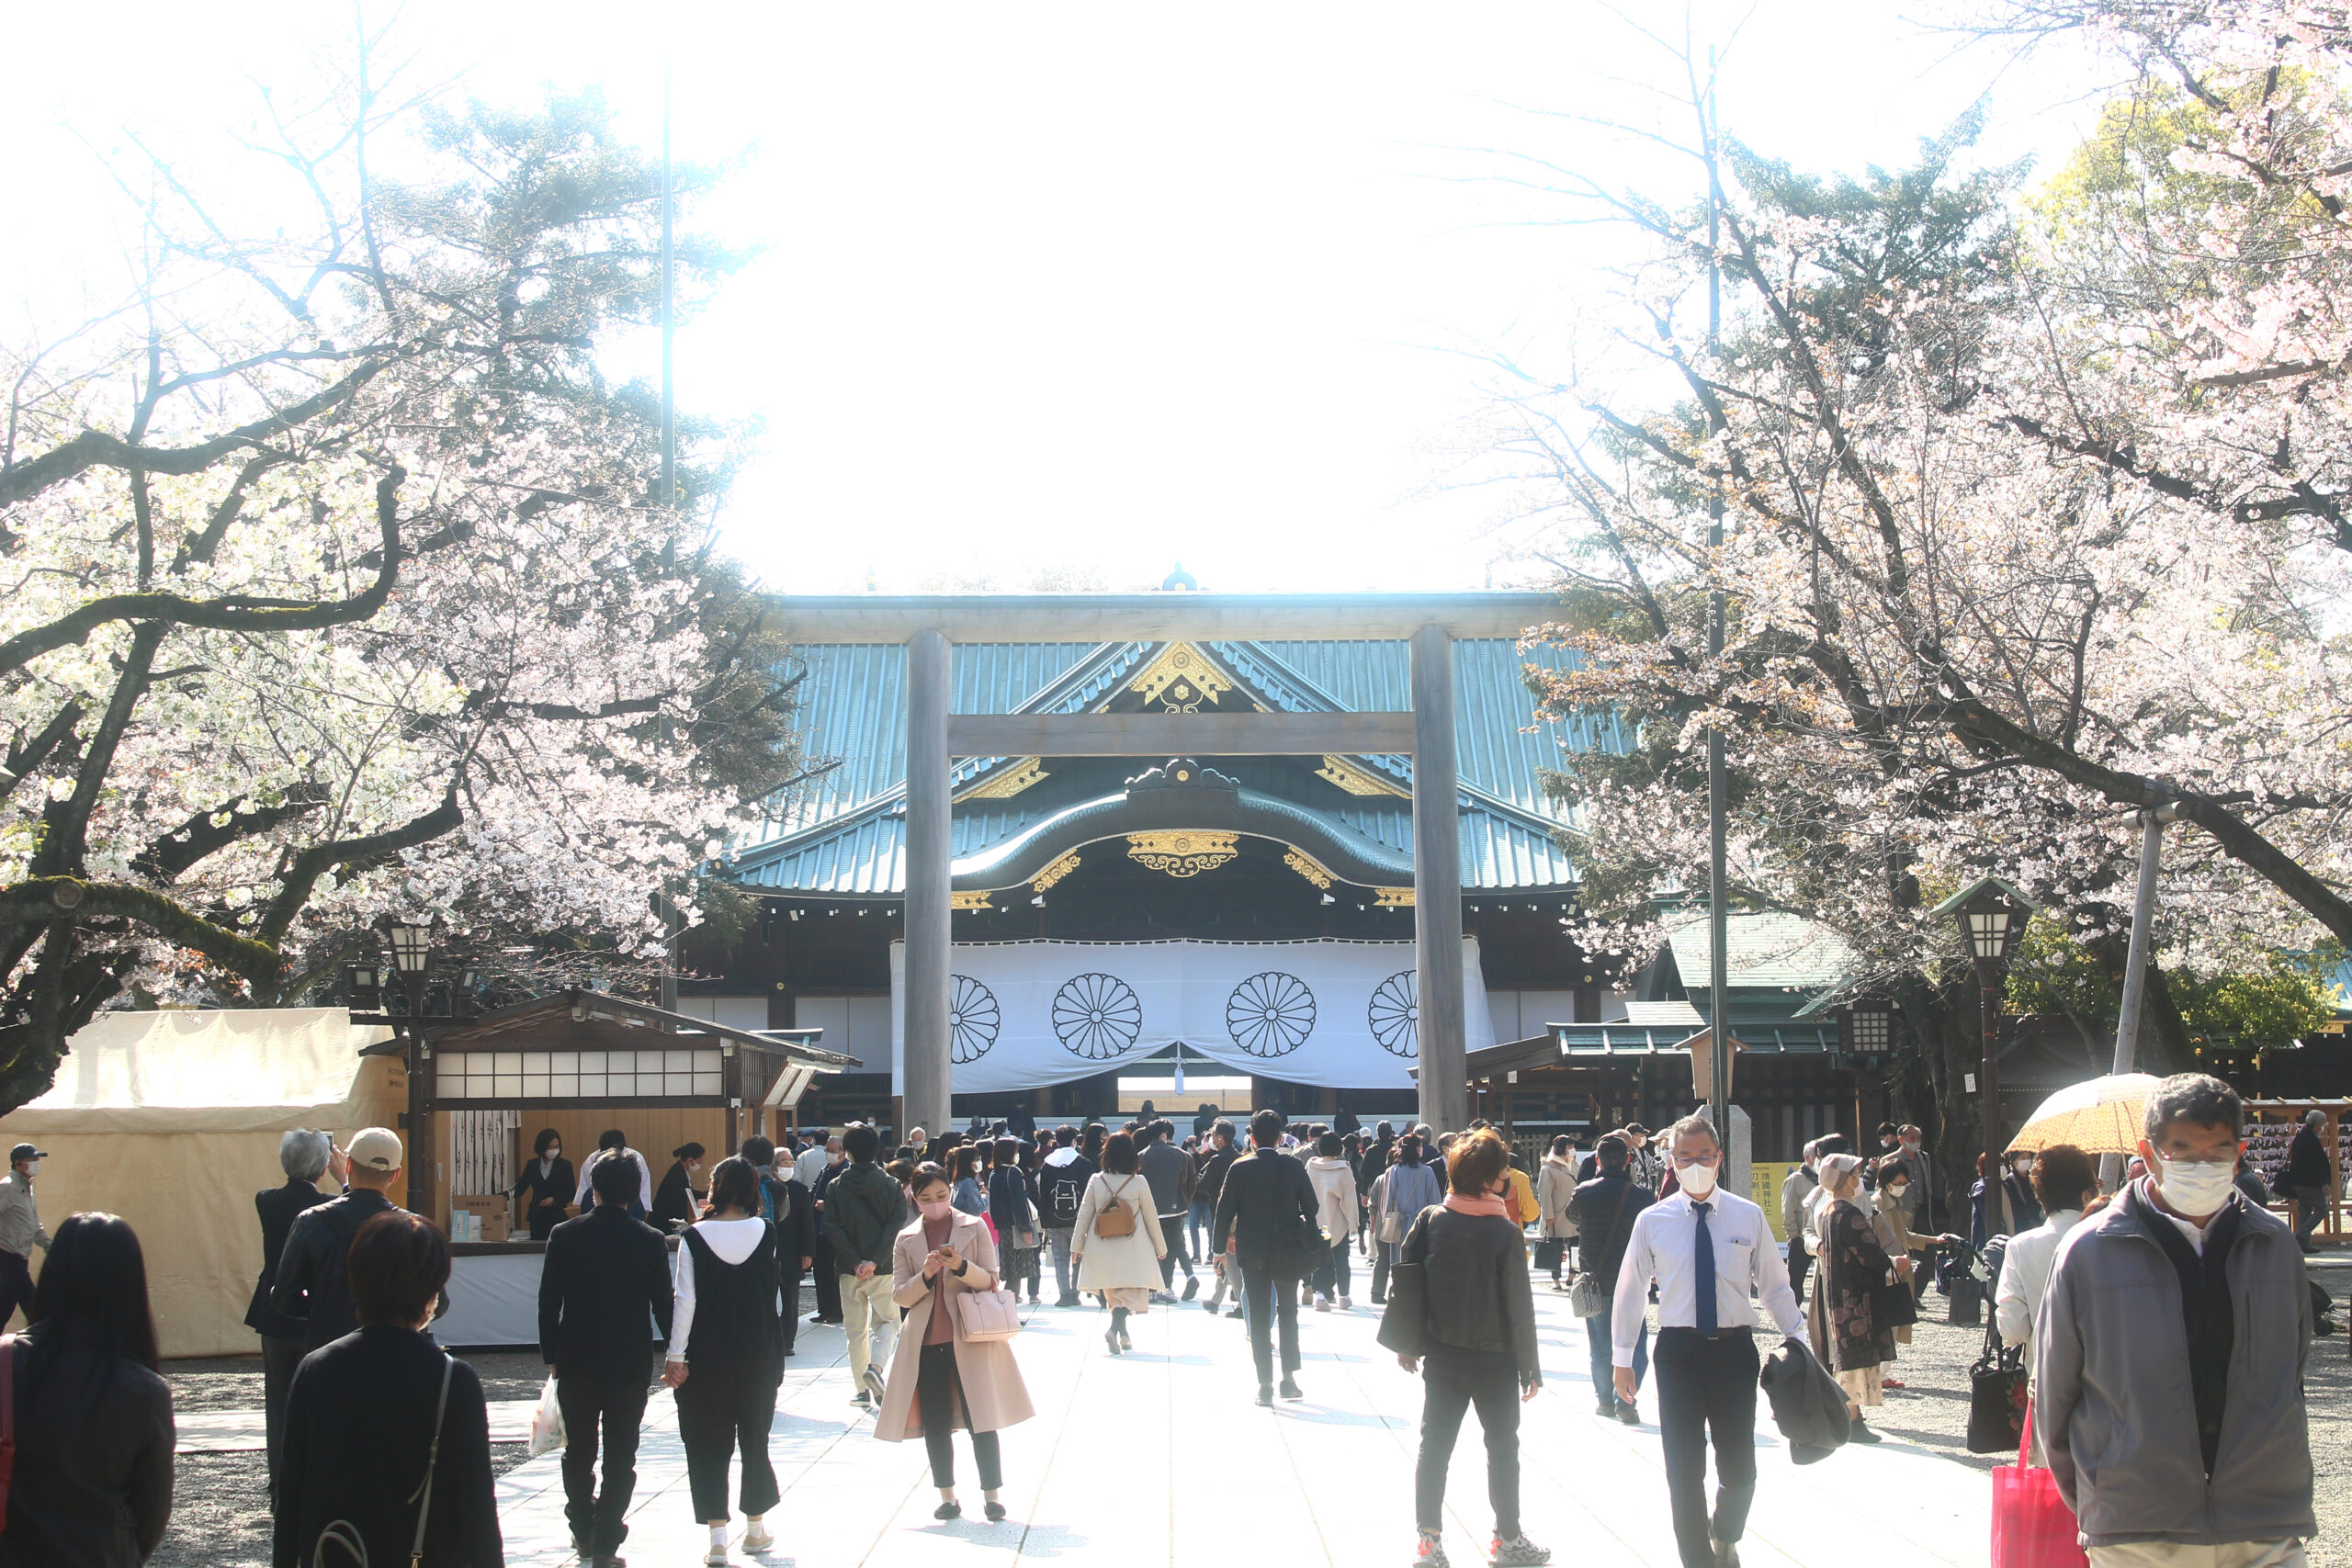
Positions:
(2032, 1526)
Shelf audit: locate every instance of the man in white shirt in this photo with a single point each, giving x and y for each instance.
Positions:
(812, 1161)
(1706, 1248)
(611, 1145)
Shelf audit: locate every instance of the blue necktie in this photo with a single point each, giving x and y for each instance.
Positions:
(1703, 1272)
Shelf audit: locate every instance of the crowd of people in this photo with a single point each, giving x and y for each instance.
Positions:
(2165, 1322)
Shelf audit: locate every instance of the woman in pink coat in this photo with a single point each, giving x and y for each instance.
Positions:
(940, 1381)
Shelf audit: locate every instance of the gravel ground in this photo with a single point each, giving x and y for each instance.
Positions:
(221, 1502)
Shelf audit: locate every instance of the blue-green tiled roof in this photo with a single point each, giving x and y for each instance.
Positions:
(843, 831)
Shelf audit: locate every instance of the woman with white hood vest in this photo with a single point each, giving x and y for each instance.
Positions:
(1334, 1197)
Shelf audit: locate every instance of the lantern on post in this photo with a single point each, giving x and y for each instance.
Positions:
(1990, 915)
(412, 944)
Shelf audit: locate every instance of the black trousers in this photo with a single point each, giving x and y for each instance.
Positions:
(15, 1287)
(939, 1393)
(1452, 1381)
(791, 1295)
(828, 1281)
(279, 1356)
(1800, 1261)
(718, 1414)
(1706, 1387)
(1172, 1231)
(1272, 1298)
(607, 1407)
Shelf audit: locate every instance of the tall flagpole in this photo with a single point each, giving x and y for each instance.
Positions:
(669, 464)
(1718, 906)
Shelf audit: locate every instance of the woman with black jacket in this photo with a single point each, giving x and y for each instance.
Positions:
(93, 1483)
(548, 1183)
(673, 1200)
(417, 1412)
(1461, 1313)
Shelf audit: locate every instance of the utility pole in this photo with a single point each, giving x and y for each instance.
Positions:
(1718, 900)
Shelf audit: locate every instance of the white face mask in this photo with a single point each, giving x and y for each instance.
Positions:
(32, 1169)
(1698, 1181)
(2197, 1186)
(554, 1152)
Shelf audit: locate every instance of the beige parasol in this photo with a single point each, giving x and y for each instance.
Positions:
(2098, 1116)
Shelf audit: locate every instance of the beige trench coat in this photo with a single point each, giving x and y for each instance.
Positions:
(1125, 1267)
(994, 1395)
(1556, 1183)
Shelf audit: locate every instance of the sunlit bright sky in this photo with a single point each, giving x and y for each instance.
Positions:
(1080, 290)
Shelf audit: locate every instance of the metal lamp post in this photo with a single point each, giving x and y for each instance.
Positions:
(1990, 915)
(412, 957)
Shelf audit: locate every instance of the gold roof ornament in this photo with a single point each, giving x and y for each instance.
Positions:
(1393, 897)
(1181, 854)
(1010, 781)
(1055, 873)
(967, 900)
(1181, 678)
(1356, 781)
(1304, 865)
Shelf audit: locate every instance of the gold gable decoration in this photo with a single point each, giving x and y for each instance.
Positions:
(1393, 897)
(967, 900)
(1055, 873)
(1304, 864)
(1182, 854)
(1181, 678)
(1009, 783)
(1356, 781)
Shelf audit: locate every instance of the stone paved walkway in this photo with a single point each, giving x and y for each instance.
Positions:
(1161, 1457)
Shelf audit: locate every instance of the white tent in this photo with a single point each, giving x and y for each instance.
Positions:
(172, 1120)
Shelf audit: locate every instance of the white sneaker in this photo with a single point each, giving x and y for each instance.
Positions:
(1347, 1303)
(758, 1538)
(1322, 1303)
(715, 1558)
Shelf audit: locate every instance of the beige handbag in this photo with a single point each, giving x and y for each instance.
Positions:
(986, 1315)
(1115, 1219)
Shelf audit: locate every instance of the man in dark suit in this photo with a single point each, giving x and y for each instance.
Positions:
(305, 1154)
(1258, 1210)
(312, 1284)
(604, 1294)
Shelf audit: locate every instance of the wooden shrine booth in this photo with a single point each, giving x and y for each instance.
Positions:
(580, 1062)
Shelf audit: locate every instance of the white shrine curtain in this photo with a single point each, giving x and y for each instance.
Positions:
(1341, 1014)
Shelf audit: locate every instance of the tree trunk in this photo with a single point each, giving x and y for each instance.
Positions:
(1939, 1024)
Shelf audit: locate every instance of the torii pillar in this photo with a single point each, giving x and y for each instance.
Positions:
(923, 1069)
(1437, 887)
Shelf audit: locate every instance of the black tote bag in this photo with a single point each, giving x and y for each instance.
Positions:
(1996, 1397)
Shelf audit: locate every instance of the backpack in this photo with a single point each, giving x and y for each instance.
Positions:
(776, 1200)
(1065, 1196)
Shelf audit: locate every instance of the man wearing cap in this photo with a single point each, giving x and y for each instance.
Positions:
(1646, 1169)
(20, 1231)
(312, 1284)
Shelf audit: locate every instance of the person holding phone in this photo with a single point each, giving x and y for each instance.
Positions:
(939, 1380)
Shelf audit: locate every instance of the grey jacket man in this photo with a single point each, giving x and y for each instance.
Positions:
(2113, 1402)
(1795, 1187)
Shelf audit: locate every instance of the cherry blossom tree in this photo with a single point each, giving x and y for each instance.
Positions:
(335, 583)
(1954, 646)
